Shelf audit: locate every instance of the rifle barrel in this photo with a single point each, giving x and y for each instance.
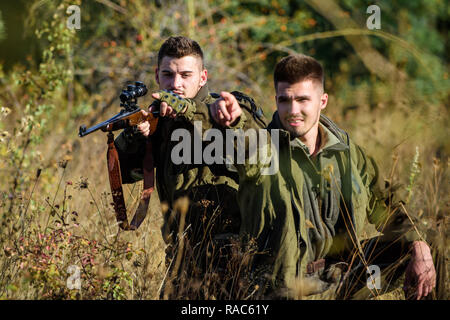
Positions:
(83, 131)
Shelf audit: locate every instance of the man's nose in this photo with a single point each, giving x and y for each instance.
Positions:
(294, 107)
(177, 81)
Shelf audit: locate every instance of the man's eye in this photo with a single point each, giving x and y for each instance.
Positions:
(184, 76)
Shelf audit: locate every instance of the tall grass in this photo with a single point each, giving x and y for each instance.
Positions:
(55, 202)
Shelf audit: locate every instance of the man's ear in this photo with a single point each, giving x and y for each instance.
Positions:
(203, 77)
(323, 101)
(157, 75)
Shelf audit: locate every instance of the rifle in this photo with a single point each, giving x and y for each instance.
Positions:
(129, 116)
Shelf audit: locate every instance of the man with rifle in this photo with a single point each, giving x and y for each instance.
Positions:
(211, 215)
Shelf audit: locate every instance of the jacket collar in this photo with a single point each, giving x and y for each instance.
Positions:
(203, 93)
(275, 123)
(330, 141)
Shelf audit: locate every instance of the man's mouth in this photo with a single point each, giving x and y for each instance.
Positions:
(295, 121)
(180, 93)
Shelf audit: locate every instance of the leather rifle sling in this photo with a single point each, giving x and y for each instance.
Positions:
(115, 179)
(149, 182)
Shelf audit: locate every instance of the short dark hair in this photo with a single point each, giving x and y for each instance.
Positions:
(179, 47)
(296, 68)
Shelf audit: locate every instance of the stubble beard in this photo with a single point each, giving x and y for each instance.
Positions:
(300, 132)
(295, 132)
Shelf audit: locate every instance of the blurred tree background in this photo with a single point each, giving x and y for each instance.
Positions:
(388, 88)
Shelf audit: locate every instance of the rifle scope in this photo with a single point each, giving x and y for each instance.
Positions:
(133, 92)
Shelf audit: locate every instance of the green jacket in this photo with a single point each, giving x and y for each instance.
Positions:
(313, 208)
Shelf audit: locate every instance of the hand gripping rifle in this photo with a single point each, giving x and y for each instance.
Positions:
(129, 116)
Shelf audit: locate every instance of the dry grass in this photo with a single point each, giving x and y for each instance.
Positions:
(63, 215)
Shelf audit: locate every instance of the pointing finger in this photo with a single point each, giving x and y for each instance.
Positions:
(228, 97)
(223, 109)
